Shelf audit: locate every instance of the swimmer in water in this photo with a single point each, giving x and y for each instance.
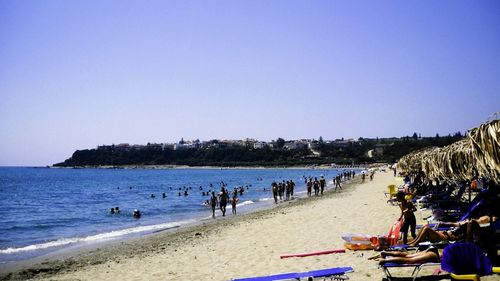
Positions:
(117, 210)
(112, 211)
(137, 214)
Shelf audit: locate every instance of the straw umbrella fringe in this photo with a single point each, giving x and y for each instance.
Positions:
(478, 154)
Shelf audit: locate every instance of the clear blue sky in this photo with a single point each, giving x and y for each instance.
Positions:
(76, 74)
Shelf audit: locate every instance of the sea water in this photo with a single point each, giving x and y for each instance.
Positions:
(44, 210)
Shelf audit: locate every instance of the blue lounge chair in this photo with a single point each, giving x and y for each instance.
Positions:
(284, 276)
(333, 273)
(463, 260)
(415, 273)
(466, 261)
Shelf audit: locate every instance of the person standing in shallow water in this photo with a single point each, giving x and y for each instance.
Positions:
(309, 187)
(223, 198)
(316, 186)
(213, 203)
(274, 187)
(322, 183)
(234, 200)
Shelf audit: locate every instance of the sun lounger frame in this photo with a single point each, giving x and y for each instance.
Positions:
(414, 274)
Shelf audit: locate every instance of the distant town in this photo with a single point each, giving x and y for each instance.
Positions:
(248, 143)
(250, 152)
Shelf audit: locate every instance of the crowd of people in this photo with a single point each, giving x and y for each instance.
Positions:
(282, 191)
(474, 224)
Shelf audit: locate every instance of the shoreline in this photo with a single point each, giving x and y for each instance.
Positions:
(62, 259)
(123, 227)
(176, 240)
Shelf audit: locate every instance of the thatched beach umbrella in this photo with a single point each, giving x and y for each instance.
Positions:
(457, 161)
(478, 154)
(485, 141)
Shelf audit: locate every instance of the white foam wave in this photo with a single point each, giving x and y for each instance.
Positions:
(248, 202)
(95, 238)
(264, 199)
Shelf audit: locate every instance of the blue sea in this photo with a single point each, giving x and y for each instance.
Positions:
(44, 210)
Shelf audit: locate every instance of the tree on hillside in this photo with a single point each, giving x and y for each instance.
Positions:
(280, 143)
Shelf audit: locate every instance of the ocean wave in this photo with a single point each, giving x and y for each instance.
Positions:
(248, 202)
(264, 199)
(94, 238)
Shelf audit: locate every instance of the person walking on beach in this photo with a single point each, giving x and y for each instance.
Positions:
(322, 183)
(213, 203)
(309, 187)
(337, 182)
(316, 187)
(234, 200)
(287, 191)
(274, 187)
(223, 198)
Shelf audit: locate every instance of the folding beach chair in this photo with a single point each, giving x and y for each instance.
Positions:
(335, 273)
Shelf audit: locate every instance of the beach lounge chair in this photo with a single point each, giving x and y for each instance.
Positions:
(415, 273)
(463, 260)
(466, 261)
(335, 273)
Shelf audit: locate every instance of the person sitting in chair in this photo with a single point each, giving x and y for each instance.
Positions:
(463, 231)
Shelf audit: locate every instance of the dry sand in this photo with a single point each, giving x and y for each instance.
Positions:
(246, 245)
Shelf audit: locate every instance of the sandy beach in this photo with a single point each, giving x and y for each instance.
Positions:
(244, 245)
